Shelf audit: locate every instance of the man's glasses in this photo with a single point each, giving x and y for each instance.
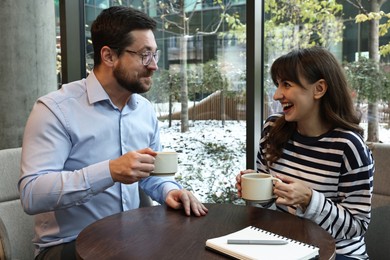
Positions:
(147, 56)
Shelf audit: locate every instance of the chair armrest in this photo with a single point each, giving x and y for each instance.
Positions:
(5, 247)
(145, 200)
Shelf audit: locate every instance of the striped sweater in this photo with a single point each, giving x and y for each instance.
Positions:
(339, 168)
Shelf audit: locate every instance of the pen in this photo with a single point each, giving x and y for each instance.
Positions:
(256, 242)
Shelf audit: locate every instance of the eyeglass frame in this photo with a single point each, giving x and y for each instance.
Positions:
(152, 55)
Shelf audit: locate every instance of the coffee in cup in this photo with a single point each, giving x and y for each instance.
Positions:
(165, 163)
(257, 187)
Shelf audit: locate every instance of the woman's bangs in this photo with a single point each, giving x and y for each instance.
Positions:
(285, 68)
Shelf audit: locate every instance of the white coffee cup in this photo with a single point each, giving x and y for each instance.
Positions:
(257, 187)
(165, 163)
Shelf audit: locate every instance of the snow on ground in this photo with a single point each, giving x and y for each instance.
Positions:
(210, 156)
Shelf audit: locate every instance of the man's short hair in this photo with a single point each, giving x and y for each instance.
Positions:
(112, 26)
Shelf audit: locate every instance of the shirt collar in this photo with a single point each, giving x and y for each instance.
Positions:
(95, 90)
(96, 93)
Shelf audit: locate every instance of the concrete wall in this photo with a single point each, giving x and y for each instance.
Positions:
(27, 62)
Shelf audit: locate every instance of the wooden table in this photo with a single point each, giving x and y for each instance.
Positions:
(162, 233)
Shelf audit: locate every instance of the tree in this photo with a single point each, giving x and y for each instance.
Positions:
(301, 23)
(369, 80)
(291, 24)
(177, 15)
(214, 80)
(373, 17)
(204, 79)
(166, 88)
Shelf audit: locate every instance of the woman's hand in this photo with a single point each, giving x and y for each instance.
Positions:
(238, 180)
(291, 192)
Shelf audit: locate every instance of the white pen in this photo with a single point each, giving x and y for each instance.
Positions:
(256, 242)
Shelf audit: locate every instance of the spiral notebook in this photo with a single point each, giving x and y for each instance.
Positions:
(292, 250)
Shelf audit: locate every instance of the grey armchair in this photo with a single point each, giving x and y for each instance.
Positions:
(16, 227)
(378, 233)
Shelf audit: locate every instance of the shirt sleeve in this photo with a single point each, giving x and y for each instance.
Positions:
(44, 185)
(158, 187)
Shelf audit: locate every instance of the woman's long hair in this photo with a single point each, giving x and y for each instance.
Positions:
(336, 106)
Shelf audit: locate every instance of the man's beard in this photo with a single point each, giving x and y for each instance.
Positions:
(135, 86)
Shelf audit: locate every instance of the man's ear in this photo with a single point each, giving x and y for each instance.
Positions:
(320, 88)
(108, 55)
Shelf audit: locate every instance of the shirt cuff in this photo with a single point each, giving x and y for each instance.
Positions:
(169, 186)
(98, 176)
(314, 207)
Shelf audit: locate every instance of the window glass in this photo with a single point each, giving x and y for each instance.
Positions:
(205, 55)
(214, 59)
(332, 24)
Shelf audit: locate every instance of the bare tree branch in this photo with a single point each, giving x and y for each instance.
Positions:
(172, 22)
(358, 5)
(193, 10)
(227, 7)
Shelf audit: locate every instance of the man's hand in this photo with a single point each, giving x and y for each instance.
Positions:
(178, 199)
(132, 166)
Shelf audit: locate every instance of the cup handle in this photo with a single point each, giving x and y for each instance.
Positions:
(276, 179)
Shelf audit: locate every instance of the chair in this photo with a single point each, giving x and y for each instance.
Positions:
(145, 200)
(16, 227)
(377, 236)
(381, 194)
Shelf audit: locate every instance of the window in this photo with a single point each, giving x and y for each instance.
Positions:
(210, 61)
(332, 25)
(223, 69)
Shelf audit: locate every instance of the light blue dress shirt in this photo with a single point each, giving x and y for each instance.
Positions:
(69, 138)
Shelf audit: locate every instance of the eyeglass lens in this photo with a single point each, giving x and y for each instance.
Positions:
(147, 57)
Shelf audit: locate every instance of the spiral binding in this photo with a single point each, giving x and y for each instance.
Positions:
(282, 237)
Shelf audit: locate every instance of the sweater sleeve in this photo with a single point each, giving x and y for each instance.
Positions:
(347, 215)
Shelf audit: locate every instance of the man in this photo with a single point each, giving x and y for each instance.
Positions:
(88, 146)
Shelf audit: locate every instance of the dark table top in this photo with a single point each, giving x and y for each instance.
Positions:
(162, 233)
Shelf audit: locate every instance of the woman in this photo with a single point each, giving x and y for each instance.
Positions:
(316, 148)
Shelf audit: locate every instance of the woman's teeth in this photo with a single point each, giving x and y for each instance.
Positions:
(287, 106)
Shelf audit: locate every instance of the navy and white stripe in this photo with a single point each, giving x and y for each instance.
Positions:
(339, 168)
